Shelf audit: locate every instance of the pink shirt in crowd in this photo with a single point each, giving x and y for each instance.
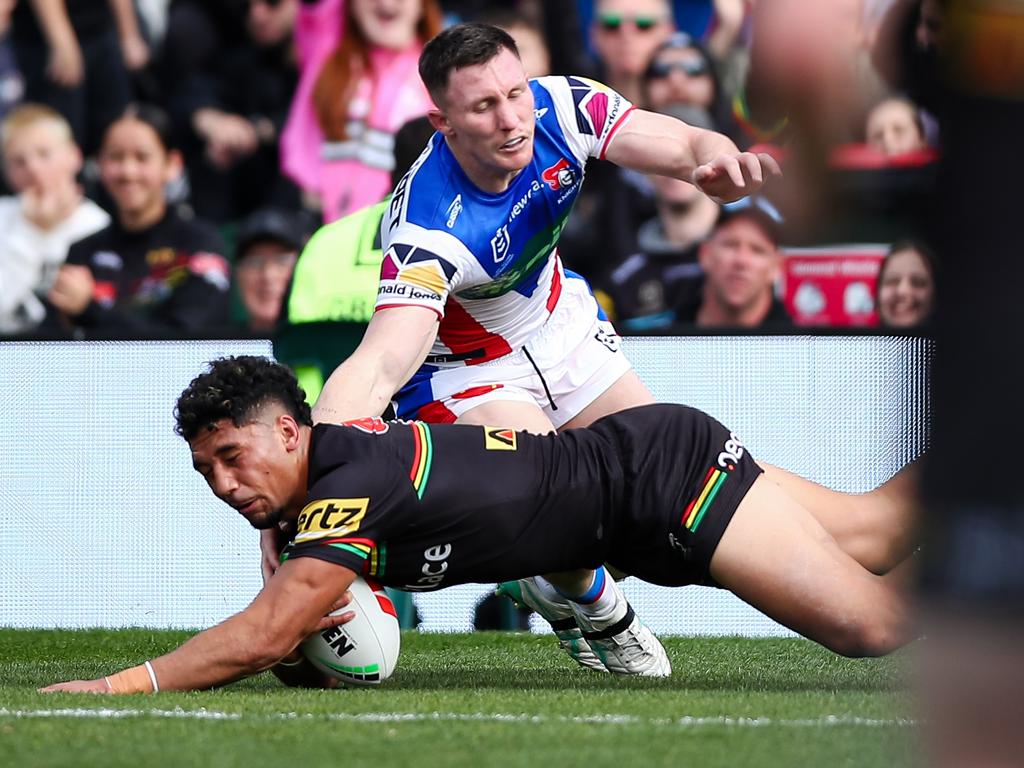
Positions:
(350, 174)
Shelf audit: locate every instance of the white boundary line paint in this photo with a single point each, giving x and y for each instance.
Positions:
(826, 721)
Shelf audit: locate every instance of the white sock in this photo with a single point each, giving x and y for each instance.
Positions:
(603, 602)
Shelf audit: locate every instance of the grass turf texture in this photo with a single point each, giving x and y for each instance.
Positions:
(494, 699)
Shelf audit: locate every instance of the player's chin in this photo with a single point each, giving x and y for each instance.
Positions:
(264, 520)
(518, 158)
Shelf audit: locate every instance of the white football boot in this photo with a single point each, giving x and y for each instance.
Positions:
(621, 641)
(559, 615)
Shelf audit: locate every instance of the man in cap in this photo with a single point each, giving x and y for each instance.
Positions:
(268, 243)
(741, 262)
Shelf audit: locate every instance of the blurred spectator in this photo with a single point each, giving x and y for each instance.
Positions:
(533, 48)
(741, 263)
(905, 293)
(726, 45)
(614, 202)
(682, 73)
(723, 38)
(48, 214)
(358, 84)
(151, 269)
(198, 32)
(233, 111)
(640, 293)
(625, 34)
(910, 40)
(810, 63)
(76, 56)
(894, 127)
(267, 247)
(12, 86)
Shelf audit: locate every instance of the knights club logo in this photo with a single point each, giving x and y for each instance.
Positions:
(560, 175)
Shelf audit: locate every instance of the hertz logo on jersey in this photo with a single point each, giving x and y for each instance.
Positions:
(330, 517)
(499, 439)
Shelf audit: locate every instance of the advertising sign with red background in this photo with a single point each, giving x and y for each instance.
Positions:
(832, 285)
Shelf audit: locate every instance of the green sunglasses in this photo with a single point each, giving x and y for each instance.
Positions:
(613, 21)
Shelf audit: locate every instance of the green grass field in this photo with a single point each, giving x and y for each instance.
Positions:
(487, 699)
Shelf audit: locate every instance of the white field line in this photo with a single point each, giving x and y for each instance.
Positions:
(826, 721)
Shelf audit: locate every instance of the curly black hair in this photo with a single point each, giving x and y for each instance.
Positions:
(236, 388)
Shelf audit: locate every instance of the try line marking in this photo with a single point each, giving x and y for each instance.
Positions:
(826, 721)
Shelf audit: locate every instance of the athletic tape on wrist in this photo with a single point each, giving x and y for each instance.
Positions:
(152, 677)
(135, 680)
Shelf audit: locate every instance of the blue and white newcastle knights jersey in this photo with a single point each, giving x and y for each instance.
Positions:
(487, 263)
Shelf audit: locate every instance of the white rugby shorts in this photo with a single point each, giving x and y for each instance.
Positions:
(572, 360)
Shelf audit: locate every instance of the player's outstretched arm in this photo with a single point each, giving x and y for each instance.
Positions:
(395, 344)
(653, 143)
(290, 607)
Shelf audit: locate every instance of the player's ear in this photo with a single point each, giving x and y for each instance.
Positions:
(439, 122)
(289, 430)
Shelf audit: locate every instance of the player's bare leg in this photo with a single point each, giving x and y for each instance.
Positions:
(616, 634)
(776, 556)
(627, 392)
(878, 529)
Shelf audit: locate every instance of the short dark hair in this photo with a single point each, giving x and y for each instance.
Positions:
(153, 116)
(460, 46)
(237, 388)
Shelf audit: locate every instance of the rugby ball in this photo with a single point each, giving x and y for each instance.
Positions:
(363, 651)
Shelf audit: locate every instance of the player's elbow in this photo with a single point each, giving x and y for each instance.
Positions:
(265, 647)
(867, 637)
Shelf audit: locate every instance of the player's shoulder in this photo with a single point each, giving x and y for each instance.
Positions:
(359, 451)
(575, 88)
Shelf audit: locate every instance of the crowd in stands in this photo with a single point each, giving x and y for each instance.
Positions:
(166, 162)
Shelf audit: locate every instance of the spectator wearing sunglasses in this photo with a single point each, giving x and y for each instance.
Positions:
(625, 34)
(615, 201)
(681, 76)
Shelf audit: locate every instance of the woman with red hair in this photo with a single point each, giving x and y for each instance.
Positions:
(358, 85)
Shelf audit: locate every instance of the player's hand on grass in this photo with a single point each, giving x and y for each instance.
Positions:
(730, 177)
(99, 685)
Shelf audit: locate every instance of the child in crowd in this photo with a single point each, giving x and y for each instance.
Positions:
(152, 269)
(48, 213)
